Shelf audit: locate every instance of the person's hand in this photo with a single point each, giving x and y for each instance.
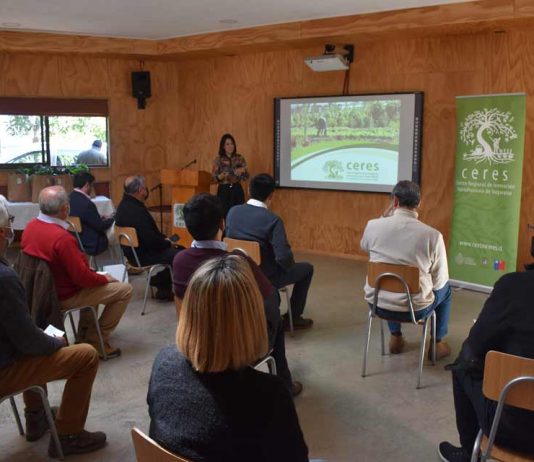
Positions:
(110, 278)
(64, 340)
(389, 210)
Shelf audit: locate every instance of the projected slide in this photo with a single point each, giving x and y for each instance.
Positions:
(345, 141)
(357, 143)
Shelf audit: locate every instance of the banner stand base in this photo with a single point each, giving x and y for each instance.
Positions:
(459, 285)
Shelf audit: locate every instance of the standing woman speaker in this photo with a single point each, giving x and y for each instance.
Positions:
(229, 169)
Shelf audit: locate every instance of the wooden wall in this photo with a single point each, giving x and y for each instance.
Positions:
(141, 141)
(236, 94)
(196, 100)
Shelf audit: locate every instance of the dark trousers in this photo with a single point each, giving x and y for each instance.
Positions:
(276, 335)
(162, 280)
(230, 195)
(474, 411)
(301, 275)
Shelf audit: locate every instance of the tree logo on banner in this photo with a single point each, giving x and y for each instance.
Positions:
(485, 130)
(334, 169)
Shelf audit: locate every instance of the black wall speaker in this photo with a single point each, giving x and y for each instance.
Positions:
(141, 87)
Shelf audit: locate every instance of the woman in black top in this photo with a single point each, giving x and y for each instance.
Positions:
(229, 169)
(205, 402)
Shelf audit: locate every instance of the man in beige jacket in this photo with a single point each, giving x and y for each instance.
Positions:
(398, 237)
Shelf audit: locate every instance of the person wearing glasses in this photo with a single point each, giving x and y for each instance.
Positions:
(30, 357)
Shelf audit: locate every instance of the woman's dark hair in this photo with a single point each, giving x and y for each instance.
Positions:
(225, 137)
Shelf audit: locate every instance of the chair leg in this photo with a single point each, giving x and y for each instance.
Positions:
(16, 414)
(476, 448)
(382, 341)
(289, 312)
(147, 286)
(271, 364)
(422, 353)
(72, 325)
(99, 333)
(433, 338)
(366, 346)
(51, 422)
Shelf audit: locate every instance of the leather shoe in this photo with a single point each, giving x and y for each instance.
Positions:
(78, 443)
(396, 344)
(37, 423)
(296, 388)
(442, 350)
(299, 323)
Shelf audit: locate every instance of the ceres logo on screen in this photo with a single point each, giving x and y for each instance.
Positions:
(483, 132)
(334, 169)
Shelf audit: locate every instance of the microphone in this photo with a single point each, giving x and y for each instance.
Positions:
(159, 185)
(194, 161)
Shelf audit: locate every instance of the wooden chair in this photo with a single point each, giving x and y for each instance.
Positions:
(147, 450)
(127, 236)
(508, 379)
(399, 279)
(75, 226)
(48, 413)
(252, 249)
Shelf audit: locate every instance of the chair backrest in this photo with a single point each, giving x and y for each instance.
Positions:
(147, 450)
(499, 369)
(409, 273)
(75, 224)
(251, 248)
(126, 236)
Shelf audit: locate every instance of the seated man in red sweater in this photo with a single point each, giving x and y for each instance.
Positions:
(204, 216)
(46, 237)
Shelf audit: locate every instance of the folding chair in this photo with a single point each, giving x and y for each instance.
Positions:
(269, 362)
(509, 380)
(399, 279)
(127, 236)
(75, 226)
(147, 450)
(68, 313)
(252, 249)
(48, 413)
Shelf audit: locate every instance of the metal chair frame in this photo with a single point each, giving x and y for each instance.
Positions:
(483, 455)
(68, 313)
(423, 322)
(48, 413)
(151, 268)
(269, 361)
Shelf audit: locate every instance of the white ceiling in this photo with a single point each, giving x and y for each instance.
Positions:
(159, 19)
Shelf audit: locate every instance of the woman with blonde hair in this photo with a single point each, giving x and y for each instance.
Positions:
(205, 401)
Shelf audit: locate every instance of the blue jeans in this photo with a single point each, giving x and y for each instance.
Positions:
(442, 305)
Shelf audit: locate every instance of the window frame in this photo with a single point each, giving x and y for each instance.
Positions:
(46, 107)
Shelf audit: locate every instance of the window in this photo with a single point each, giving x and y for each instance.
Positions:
(55, 132)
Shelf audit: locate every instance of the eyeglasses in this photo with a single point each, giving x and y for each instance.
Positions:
(11, 218)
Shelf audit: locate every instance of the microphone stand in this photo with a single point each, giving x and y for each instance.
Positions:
(160, 187)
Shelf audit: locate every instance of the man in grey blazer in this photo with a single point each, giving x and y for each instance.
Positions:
(254, 221)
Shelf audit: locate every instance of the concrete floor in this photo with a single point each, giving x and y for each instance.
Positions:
(344, 417)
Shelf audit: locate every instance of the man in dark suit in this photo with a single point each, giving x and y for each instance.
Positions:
(254, 221)
(506, 324)
(94, 226)
(154, 246)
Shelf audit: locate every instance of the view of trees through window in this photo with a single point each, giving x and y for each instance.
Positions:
(52, 140)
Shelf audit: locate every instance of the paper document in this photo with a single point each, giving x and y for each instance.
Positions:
(53, 332)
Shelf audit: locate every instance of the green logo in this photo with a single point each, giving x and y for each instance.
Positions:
(480, 128)
(333, 169)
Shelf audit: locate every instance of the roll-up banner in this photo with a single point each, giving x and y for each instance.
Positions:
(487, 190)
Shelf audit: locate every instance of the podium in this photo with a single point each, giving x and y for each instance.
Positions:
(184, 185)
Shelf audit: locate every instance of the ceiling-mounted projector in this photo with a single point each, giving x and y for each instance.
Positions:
(324, 63)
(331, 61)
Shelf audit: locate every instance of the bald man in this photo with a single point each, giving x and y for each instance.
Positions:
(154, 246)
(30, 357)
(46, 237)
